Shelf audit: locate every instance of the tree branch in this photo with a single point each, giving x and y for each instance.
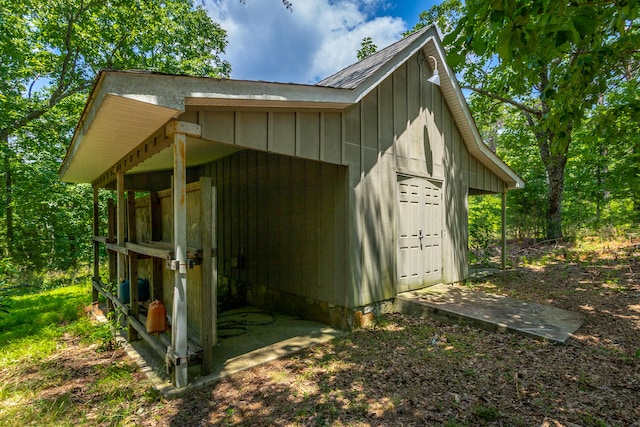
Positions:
(518, 105)
(36, 113)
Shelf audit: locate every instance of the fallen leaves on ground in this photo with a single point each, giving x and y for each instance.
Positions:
(414, 372)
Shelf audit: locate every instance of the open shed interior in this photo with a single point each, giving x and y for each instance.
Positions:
(274, 225)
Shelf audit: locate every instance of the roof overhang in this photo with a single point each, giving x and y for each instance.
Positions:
(125, 108)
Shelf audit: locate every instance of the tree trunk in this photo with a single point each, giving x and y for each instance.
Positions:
(554, 159)
(555, 174)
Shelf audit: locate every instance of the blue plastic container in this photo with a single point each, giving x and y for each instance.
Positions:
(143, 291)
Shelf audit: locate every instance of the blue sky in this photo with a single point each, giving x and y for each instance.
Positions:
(267, 42)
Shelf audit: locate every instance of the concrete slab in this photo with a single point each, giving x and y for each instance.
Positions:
(493, 312)
(249, 337)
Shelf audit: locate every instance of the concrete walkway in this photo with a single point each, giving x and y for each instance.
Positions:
(492, 312)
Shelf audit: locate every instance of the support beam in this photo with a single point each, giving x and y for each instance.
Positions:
(156, 236)
(148, 148)
(159, 141)
(173, 127)
(96, 245)
(209, 279)
(120, 223)
(504, 229)
(179, 313)
(132, 333)
(113, 257)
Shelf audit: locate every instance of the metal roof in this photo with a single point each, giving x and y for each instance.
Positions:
(352, 76)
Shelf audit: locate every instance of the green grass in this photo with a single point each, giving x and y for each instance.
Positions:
(37, 320)
(37, 366)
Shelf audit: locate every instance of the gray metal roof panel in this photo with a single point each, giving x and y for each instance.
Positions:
(353, 75)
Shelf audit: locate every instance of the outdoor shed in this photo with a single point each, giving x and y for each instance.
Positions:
(321, 200)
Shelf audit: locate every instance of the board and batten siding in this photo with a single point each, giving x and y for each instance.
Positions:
(313, 135)
(404, 127)
(285, 217)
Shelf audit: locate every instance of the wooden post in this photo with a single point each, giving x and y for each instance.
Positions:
(209, 281)
(120, 222)
(504, 229)
(113, 258)
(156, 236)
(179, 353)
(96, 245)
(132, 333)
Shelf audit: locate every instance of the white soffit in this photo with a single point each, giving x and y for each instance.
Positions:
(119, 125)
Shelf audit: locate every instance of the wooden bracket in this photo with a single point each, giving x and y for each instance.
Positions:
(187, 128)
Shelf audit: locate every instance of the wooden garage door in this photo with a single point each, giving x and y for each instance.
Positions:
(419, 233)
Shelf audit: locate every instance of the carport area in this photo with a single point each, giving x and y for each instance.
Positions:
(210, 207)
(248, 337)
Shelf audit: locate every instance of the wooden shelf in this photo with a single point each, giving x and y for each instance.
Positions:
(162, 250)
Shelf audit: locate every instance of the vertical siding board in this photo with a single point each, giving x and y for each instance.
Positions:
(457, 148)
(449, 159)
(272, 213)
(341, 248)
(310, 135)
(283, 133)
(326, 254)
(262, 230)
(370, 233)
(332, 140)
(270, 132)
(217, 172)
(436, 134)
(219, 126)
(352, 126)
(487, 178)
(251, 251)
(473, 175)
(252, 129)
(298, 251)
(413, 110)
(385, 115)
(284, 221)
(464, 153)
(227, 215)
(400, 115)
(352, 159)
(369, 120)
(312, 186)
(243, 201)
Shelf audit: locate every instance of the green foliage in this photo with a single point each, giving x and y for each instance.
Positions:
(484, 220)
(445, 15)
(551, 63)
(50, 52)
(367, 48)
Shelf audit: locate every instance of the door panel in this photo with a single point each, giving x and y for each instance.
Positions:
(419, 233)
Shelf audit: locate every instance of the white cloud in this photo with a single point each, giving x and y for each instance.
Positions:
(320, 37)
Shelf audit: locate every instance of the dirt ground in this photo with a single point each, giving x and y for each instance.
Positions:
(407, 371)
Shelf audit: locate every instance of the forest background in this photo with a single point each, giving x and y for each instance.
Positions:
(552, 85)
